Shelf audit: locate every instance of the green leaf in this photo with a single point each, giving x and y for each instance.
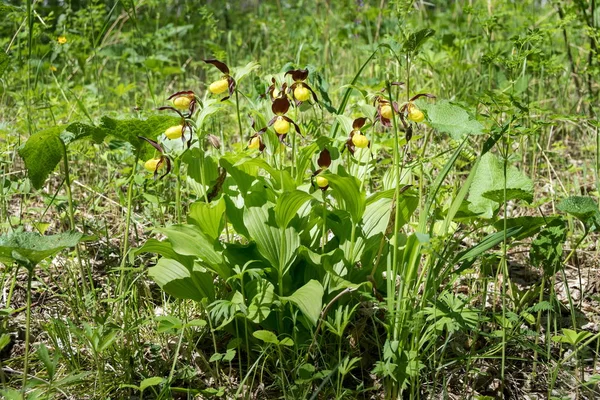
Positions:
(241, 72)
(146, 383)
(42, 152)
(4, 340)
(260, 222)
(168, 323)
(288, 205)
(309, 299)
(489, 182)
(416, 39)
(182, 282)
(487, 243)
(547, 248)
(189, 240)
(261, 293)
(266, 336)
(4, 62)
(571, 337)
(530, 225)
(130, 129)
(30, 247)
(80, 131)
(346, 191)
(452, 119)
(583, 208)
(208, 217)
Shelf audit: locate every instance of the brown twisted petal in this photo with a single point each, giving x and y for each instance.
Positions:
(288, 119)
(324, 160)
(172, 109)
(298, 74)
(221, 66)
(188, 93)
(231, 82)
(350, 146)
(280, 106)
(168, 167)
(153, 144)
(418, 96)
(358, 123)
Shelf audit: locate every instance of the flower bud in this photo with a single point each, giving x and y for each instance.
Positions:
(218, 87)
(281, 126)
(152, 163)
(359, 140)
(321, 181)
(174, 132)
(301, 93)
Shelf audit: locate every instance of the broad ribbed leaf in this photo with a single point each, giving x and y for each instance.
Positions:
(288, 205)
(188, 240)
(260, 291)
(208, 217)
(182, 282)
(346, 191)
(309, 299)
(260, 222)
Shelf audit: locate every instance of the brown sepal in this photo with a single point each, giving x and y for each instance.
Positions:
(280, 106)
(221, 66)
(298, 74)
(358, 123)
(324, 160)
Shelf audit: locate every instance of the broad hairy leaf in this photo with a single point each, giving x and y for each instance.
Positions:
(4, 62)
(416, 39)
(42, 152)
(452, 119)
(583, 208)
(487, 189)
(309, 299)
(547, 248)
(31, 247)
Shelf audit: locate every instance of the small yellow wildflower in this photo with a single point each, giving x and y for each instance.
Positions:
(62, 39)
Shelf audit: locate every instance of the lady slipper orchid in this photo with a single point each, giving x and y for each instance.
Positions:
(323, 162)
(280, 122)
(178, 131)
(157, 163)
(226, 83)
(185, 100)
(300, 89)
(356, 139)
(256, 142)
(274, 92)
(385, 111)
